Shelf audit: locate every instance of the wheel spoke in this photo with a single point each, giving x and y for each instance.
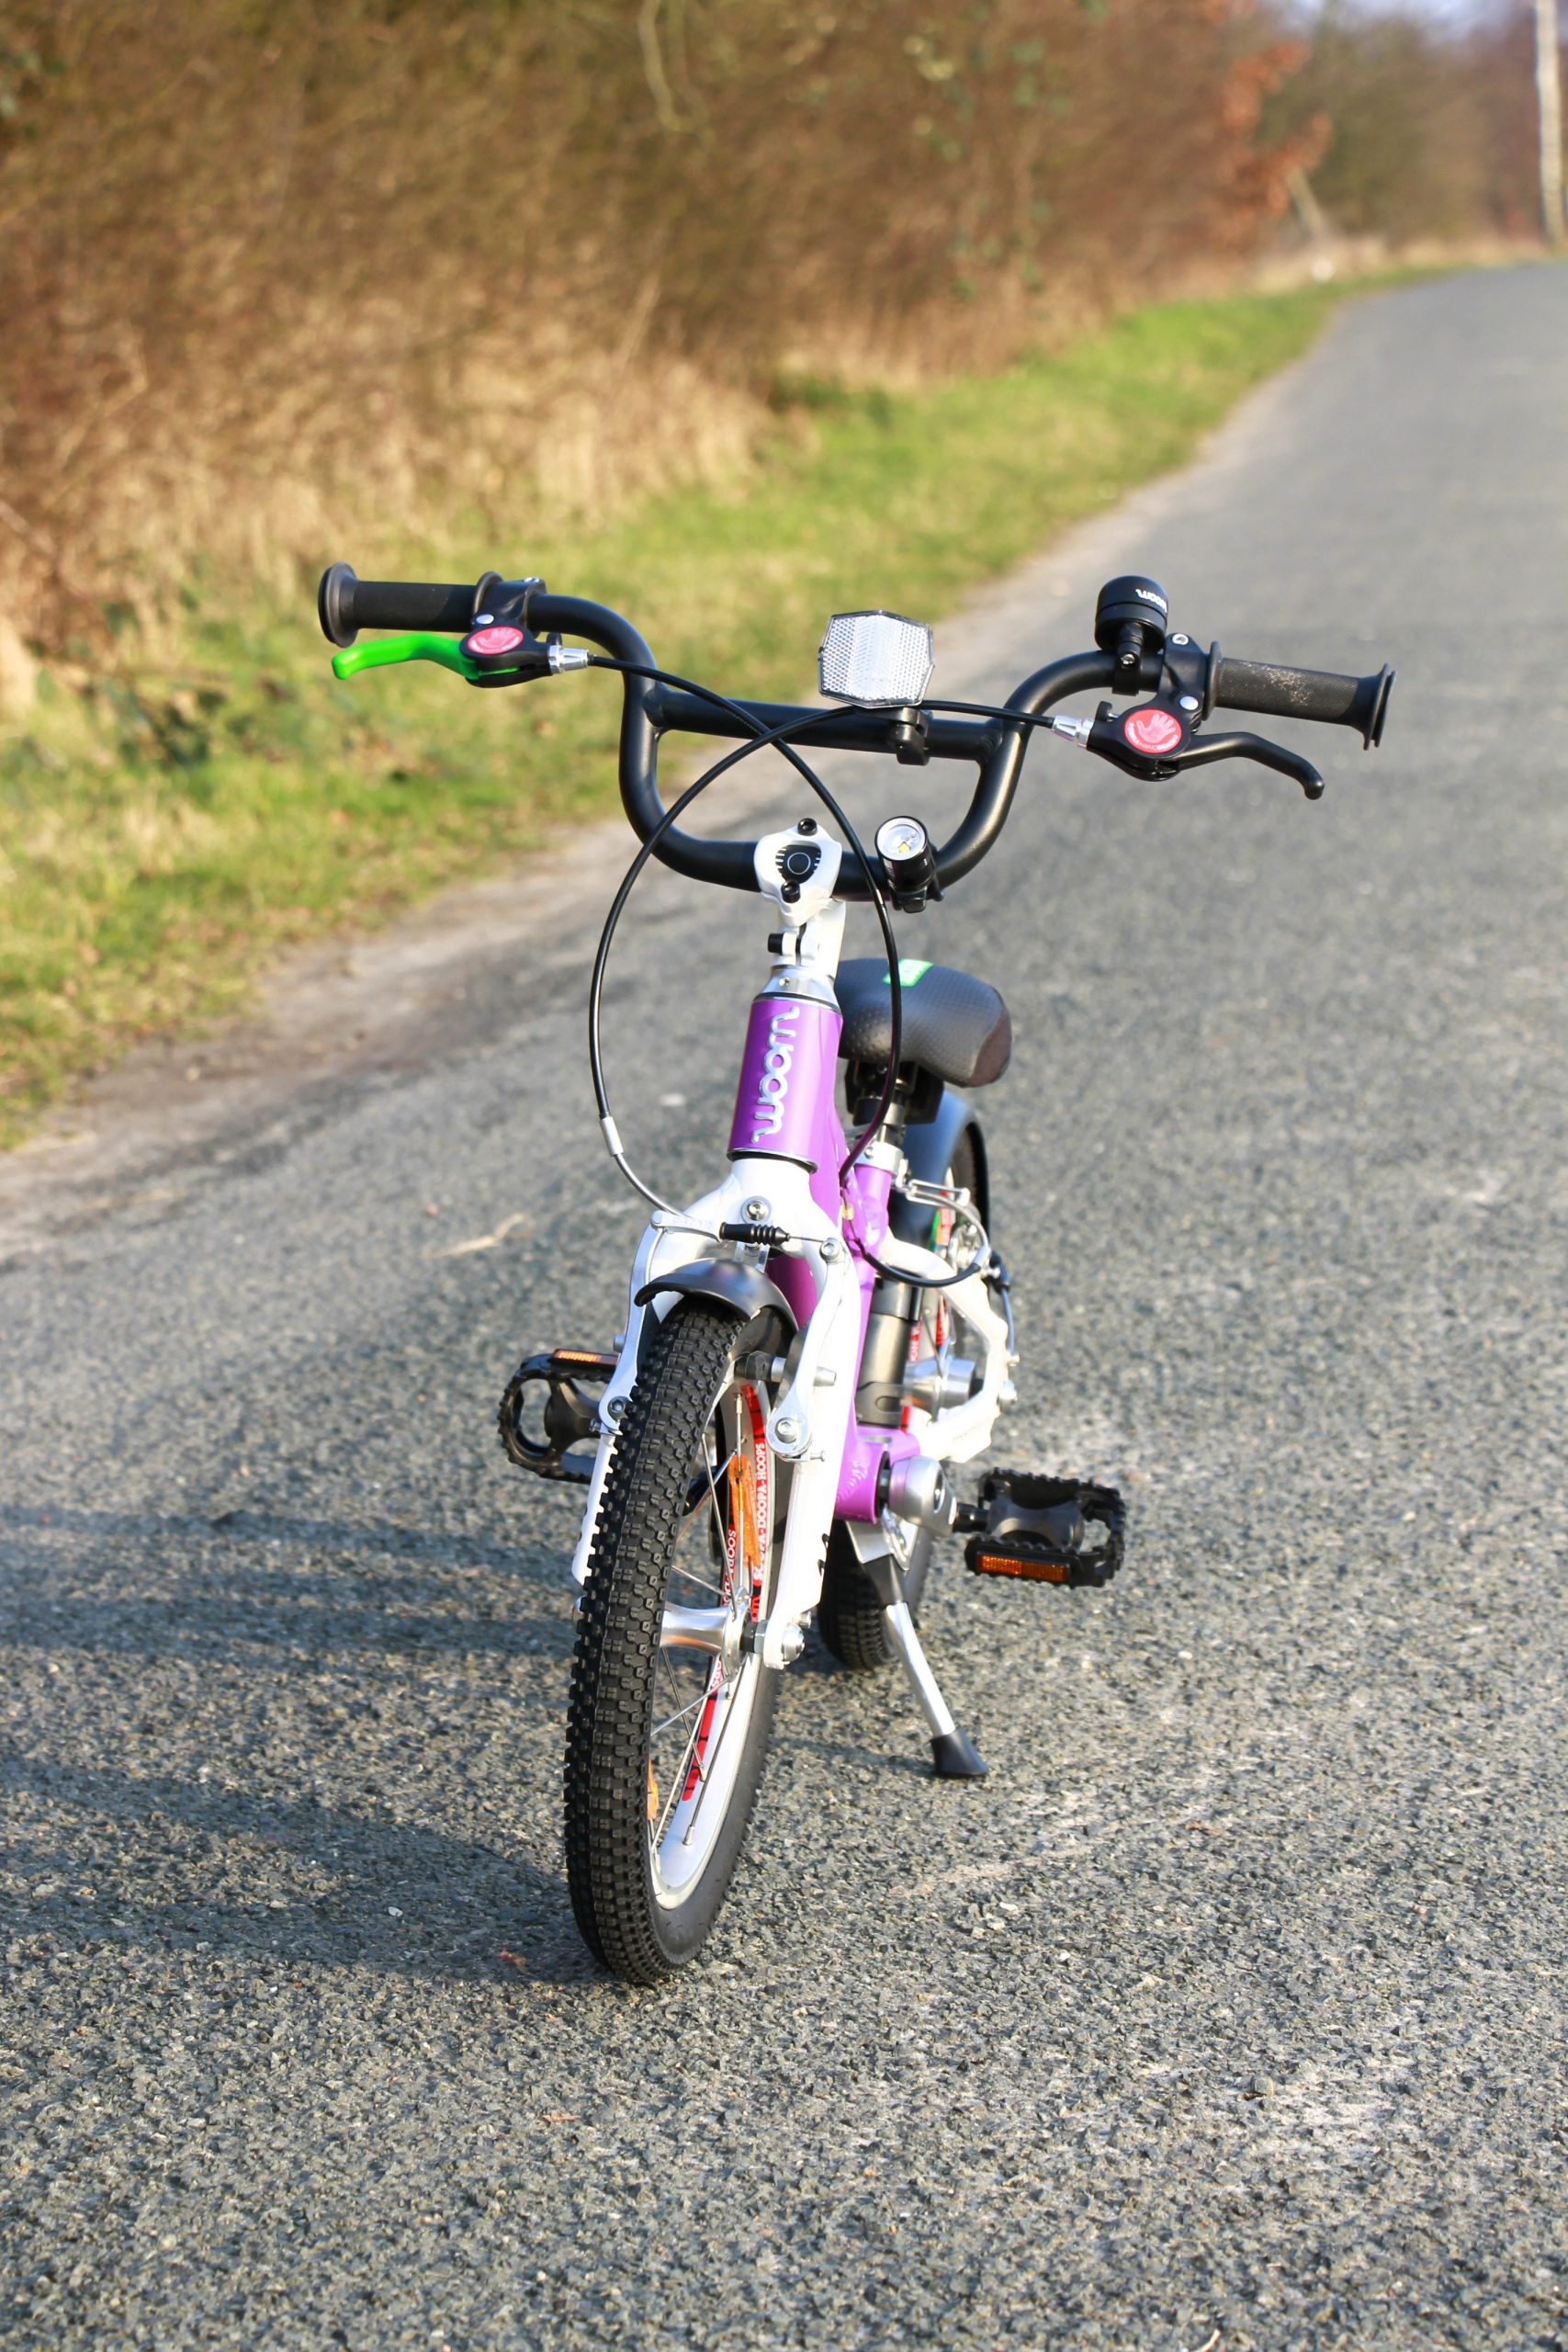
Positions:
(700, 1488)
(679, 1782)
(705, 1769)
(701, 1584)
(670, 1678)
(719, 1528)
(675, 1718)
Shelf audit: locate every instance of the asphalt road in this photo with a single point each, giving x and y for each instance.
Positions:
(1231, 2010)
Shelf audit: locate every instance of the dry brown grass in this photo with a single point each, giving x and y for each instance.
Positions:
(274, 275)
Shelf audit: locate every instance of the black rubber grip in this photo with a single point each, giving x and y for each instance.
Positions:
(1323, 694)
(346, 604)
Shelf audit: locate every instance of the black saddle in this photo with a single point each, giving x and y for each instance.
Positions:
(956, 1027)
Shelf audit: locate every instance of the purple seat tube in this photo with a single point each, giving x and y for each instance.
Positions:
(785, 1110)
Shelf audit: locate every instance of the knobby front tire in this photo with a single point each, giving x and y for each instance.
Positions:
(664, 1746)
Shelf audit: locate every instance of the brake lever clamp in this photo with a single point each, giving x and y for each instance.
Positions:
(498, 600)
(500, 648)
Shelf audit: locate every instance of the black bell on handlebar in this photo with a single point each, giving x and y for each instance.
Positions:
(1130, 624)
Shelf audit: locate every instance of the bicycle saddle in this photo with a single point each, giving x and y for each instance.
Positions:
(957, 1027)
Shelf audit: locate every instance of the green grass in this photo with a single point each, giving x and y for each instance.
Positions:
(162, 838)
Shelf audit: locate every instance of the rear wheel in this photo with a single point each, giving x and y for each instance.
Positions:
(849, 1616)
(670, 1712)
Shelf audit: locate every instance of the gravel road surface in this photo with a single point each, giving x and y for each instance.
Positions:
(1230, 2012)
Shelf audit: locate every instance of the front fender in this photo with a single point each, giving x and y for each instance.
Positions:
(745, 1291)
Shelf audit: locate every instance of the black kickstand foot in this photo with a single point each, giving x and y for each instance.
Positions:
(954, 1758)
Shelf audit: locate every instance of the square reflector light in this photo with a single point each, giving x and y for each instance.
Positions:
(876, 657)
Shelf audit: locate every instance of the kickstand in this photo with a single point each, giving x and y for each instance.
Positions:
(954, 1756)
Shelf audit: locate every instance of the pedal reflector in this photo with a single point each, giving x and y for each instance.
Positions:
(987, 1563)
(1048, 1531)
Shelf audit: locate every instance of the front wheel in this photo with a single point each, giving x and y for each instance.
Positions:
(670, 1711)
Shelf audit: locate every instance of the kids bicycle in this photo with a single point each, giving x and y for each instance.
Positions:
(813, 1347)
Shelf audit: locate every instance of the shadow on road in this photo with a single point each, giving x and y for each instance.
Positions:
(313, 1612)
(339, 1810)
(384, 1539)
(403, 1898)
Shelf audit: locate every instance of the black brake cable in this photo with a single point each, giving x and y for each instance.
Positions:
(762, 739)
(995, 710)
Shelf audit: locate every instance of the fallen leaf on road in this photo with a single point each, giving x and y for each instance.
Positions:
(488, 1241)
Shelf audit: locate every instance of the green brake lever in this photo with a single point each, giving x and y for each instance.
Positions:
(419, 645)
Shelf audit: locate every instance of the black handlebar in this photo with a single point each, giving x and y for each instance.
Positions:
(991, 744)
(1276, 692)
(649, 711)
(652, 709)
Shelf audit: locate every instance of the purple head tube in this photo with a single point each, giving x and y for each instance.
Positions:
(784, 1109)
(784, 1105)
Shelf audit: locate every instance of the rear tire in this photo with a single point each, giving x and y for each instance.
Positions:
(652, 1837)
(849, 1616)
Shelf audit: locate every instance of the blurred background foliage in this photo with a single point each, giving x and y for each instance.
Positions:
(275, 275)
(727, 312)
(1427, 119)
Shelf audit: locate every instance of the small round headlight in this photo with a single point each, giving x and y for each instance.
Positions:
(899, 838)
(904, 846)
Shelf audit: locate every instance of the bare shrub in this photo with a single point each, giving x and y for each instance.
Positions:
(274, 273)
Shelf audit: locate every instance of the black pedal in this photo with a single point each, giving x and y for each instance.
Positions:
(570, 1415)
(1045, 1531)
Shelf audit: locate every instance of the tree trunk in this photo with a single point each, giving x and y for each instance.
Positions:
(1549, 90)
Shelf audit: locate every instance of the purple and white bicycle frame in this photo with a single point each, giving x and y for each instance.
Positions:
(797, 1285)
(787, 1148)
